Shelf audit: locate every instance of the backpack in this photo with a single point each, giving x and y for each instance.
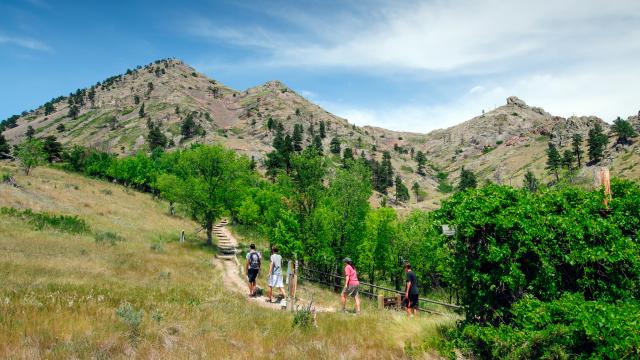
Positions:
(254, 260)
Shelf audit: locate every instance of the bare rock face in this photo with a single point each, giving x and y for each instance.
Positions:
(514, 100)
(564, 129)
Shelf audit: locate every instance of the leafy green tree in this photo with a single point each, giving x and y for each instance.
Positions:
(554, 161)
(443, 183)
(74, 111)
(421, 159)
(624, 131)
(5, 149)
(334, 146)
(467, 180)
(297, 137)
(206, 180)
(141, 112)
(31, 154)
(49, 108)
(531, 183)
(323, 130)
(52, 149)
(402, 193)
(30, 132)
(576, 145)
(568, 159)
(597, 143)
(374, 253)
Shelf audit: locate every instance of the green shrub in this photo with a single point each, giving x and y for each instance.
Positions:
(303, 318)
(65, 223)
(107, 237)
(133, 319)
(157, 247)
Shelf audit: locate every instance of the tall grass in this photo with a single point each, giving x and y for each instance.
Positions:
(67, 223)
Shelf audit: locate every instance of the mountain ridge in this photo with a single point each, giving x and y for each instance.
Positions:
(499, 145)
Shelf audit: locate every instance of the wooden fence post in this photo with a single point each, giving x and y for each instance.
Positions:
(398, 302)
(381, 301)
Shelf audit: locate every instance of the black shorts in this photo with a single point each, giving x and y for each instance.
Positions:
(413, 301)
(252, 274)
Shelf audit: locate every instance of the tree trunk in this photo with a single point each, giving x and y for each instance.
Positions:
(209, 226)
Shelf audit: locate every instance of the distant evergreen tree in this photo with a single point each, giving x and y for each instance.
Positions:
(156, 138)
(334, 146)
(141, 111)
(568, 159)
(402, 193)
(252, 163)
(52, 149)
(60, 127)
(30, 132)
(189, 127)
(270, 123)
(417, 191)
(554, 161)
(323, 130)
(5, 149)
(74, 111)
(136, 100)
(149, 87)
(49, 108)
(467, 180)
(311, 130)
(530, 181)
(386, 169)
(412, 152)
(347, 157)
(624, 130)
(317, 144)
(297, 137)
(92, 95)
(421, 159)
(576, 145)
(597, 142)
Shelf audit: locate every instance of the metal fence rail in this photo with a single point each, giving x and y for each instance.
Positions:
(364, 284)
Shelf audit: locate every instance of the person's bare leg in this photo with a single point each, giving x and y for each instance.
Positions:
(284, 294)
(357, 298)
(270, 293)
(343, 301)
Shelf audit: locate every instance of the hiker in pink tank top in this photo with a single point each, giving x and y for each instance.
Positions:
(351, 285)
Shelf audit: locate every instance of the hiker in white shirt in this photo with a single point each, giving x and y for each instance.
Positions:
(275, 274)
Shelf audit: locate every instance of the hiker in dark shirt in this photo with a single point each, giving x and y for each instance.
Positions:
(411, 292)
(252, 268)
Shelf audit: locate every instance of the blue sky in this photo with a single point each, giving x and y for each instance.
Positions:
(403, 65)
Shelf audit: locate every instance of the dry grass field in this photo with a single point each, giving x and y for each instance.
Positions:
(146, 295)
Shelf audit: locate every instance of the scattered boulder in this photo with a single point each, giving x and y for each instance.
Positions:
(514, 100)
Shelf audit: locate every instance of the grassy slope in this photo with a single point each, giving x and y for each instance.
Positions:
(59, 292)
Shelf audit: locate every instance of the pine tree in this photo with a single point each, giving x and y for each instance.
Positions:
(30, 132)
(323, 130)
(252, 163)
(530, 181)
(597, 142)
(270, 123)
(73, 111)
(577, 148)
(156, 138)
(52, 148)
(49, 108)
(624, 130)
(92, 95)
(297, 137)
(467, 180)
(554, 161)
(387, 169)
(347, 156)
(5, 150)
(188, 127)
(317, 143)
(334, 146)
(60, 127)
(402, 193)
(417, 191)
(141, 111)
(568, 159)
(136, 100)
(421, 159)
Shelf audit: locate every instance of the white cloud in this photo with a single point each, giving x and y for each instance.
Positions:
(569, 56)
(24, 42)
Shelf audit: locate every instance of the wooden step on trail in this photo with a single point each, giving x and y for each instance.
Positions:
(227, 247)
